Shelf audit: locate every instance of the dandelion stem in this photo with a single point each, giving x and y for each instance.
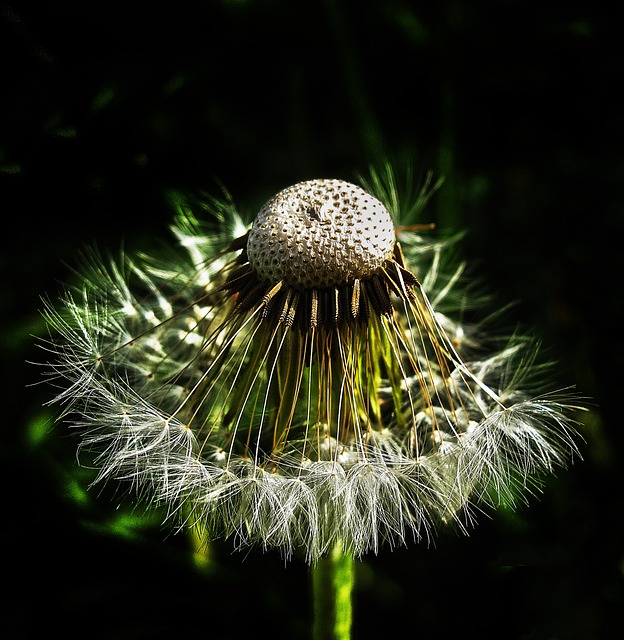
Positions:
(332, 585)
(200, 546)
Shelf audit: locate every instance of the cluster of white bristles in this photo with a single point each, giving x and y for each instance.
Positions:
(303, 381)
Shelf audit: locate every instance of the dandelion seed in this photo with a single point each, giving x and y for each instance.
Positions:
(295, 387)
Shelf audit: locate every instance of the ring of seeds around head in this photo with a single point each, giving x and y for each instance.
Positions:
(317, 252)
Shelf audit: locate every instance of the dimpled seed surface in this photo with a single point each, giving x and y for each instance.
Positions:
(320, 233)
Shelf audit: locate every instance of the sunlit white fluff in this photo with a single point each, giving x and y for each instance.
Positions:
(225, 398)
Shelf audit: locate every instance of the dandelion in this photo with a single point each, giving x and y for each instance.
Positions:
(306, 381)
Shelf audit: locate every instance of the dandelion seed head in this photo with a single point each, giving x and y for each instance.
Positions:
(320, 233)
(302, 387)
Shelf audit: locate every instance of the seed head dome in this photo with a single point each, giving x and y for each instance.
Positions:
(320, 233)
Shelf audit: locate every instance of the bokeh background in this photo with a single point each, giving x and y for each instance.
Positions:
(107, 108)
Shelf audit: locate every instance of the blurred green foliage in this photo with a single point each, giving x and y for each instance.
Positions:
(108, 108)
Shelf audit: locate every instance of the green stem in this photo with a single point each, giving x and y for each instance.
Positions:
(332, 586)
(200, 547)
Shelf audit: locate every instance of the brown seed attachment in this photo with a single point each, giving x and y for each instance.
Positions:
(320, 233)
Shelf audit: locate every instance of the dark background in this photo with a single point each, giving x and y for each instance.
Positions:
(109, 107)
